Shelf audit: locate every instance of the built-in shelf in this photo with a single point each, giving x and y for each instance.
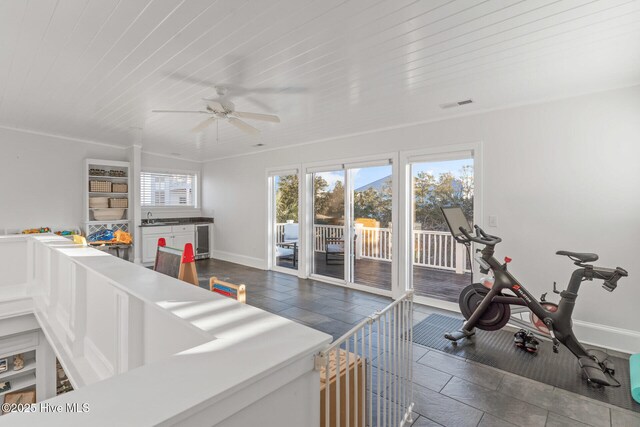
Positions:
(29, 365)
(28, 380)
(108, 192)
(118, 221)
(92, 225)
(97, 177)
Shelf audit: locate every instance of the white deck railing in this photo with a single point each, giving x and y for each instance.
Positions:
(434, 249)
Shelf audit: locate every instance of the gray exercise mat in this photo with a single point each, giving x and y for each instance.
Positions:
(497, 349)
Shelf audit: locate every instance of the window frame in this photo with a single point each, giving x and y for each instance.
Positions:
(195, 188)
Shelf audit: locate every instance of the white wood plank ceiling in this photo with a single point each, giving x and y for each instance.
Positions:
(94, 69)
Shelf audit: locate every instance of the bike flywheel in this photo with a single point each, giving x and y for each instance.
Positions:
(495, 317)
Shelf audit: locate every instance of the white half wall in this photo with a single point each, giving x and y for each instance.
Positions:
(558, 175)
(42, 181)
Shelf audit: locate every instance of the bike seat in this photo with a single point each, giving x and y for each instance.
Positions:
(579, 256)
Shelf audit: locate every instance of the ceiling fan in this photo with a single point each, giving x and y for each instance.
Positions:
(223, 109)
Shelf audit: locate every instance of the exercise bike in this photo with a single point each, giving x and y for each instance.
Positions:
(489, 308)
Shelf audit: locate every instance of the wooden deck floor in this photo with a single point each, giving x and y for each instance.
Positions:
(430, 282)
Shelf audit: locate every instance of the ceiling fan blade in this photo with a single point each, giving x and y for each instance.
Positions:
(257, 116)
(243, 126)
(203, 125)
(214, 105)
(180, 111)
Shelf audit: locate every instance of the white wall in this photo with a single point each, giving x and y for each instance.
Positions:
(559, 175)
(169, 164)
(43, 179)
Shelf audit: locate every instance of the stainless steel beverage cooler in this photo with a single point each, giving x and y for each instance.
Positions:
(202, 241)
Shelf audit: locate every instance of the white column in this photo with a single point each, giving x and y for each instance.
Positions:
(135, 159)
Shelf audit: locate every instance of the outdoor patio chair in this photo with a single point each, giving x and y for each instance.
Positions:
(287, 250)
(334, 250)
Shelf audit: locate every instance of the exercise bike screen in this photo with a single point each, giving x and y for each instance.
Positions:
(456, 219)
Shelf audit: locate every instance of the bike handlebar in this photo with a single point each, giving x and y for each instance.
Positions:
(612, 283)
(481, 237)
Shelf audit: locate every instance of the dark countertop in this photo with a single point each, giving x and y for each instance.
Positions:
(160, 222)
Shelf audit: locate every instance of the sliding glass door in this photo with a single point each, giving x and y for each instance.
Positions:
(352, 211)
(441, 266)
(329, 223)
(371, 201)
(284, 218)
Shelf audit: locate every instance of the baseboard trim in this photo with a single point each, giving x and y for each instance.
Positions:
(618, 339)
(239, 259)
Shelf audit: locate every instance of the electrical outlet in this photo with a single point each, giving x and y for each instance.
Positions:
(493, 221)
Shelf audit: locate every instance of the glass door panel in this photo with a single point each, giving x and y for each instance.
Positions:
(371, 205)
(285, 217)
(328, 223)
(441, 267)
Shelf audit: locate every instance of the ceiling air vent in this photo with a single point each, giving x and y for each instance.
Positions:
(456, 104)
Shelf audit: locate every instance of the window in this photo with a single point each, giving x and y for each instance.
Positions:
(167, 189)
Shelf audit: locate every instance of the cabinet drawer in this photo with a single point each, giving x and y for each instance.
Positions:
(162, 229)
(183, 228)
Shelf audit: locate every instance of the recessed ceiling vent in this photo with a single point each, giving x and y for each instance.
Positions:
(456, 104)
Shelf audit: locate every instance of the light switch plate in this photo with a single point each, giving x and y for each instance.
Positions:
(493, 221)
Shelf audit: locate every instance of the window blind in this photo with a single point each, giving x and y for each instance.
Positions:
(167, 189)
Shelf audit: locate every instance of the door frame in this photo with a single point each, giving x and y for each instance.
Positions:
(270, 173)
(306, 170)
(406, 208)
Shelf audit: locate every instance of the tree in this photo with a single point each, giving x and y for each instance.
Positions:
(431, 193)
(374, 204)
(287, 199)
(335, 203)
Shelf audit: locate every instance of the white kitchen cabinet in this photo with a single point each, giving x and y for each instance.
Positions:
(181, 239)
(149, 246)
(176, 237)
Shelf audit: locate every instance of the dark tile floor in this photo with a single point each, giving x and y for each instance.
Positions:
(448, 391)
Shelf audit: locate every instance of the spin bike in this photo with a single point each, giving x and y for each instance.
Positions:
(489, 308)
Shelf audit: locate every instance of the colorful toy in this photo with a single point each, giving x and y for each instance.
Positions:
(37, 230)
(101, 236)
(66, 233)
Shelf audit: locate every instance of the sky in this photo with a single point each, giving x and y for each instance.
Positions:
(368, 175)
